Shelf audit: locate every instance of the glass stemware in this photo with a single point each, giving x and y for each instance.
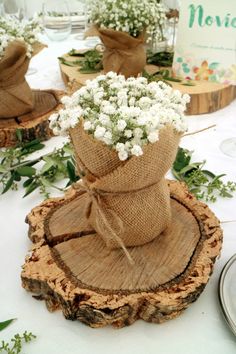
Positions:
(228, 147)
(79, 23)
(12, 8)
(56, 19)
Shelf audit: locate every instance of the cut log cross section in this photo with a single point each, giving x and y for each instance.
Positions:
(71, 268)
(34, 125)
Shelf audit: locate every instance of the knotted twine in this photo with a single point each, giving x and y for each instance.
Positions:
(128, 202)
(123, 53)
(15, 94)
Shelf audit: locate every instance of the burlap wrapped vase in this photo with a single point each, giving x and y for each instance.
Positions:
(123, 53)
(127, 202)
(16, 97)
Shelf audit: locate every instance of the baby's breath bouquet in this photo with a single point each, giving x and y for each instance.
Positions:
(125, 134)
(123, 27)
(12, 29)
(123, 114)
(131, 16)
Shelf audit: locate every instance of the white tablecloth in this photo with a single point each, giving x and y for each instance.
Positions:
(201, 329)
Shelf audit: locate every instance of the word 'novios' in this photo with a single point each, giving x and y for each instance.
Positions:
(197, 15)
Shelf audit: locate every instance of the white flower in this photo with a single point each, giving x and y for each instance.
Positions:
(136, 150)
(66, 100)
(107, 138)
(121, 124)
(124, 127)
(138, 133)
(120, 147)
(87, 125)
(99, 132)
(104, 119)
(142, 119)
(128, 133)
(145, 102)
(12, 29)
(153, 137)
(123, 155)
(108, 108)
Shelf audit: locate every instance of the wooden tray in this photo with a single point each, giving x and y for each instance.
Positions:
(72, 270)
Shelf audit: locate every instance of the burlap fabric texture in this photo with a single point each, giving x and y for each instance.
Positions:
(15, 94)
(128, 202)
(123, 53)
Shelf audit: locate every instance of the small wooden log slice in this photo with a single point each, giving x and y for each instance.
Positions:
(34, 125)
(206, 97)
(72, 270)
(38, 47)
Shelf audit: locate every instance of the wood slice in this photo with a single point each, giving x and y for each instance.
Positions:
(38, 47)
(34, 125)
(72, 270)
(206, 97)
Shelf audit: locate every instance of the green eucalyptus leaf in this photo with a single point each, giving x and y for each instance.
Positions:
(190, 167)
(88, 70)
(65, 62)
(195, 190)
(168, 78)
(226, 194)
(176, 175)
(45, 182)
(208, 173)
(2, 169)
(17, 176)
(71, 171)
(46, 167)
(182, 159)
(8, 184)
(26, 171)
(75, 53)
(30, 188)
(36, 147)
(218, 177)
(188, 84)
(5, 324)
(27, 182)
(31, 143)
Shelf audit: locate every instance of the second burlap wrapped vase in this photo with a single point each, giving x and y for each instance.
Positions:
(128, 202)
(123, 53)
(16, 97)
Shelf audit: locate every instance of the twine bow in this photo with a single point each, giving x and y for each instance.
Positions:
(95, 200)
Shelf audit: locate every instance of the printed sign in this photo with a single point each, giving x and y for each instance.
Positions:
(206, 41)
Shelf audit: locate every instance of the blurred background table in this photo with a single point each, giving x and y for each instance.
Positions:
(200, 330)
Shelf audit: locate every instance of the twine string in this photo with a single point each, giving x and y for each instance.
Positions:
(95, 199)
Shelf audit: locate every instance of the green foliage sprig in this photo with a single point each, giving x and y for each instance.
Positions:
(16, 343)
(160, 59)
(201, 182)
(59, 165)
(90, 62)
(15, 167)
(166, 76)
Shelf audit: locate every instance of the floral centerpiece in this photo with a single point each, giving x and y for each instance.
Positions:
(125, 134)
(12, 29)
(123, 26)
(16, 47)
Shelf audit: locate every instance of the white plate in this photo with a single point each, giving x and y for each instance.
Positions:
(227, 292)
